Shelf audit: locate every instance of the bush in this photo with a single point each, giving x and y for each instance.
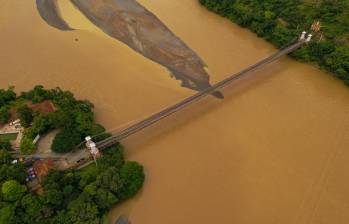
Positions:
(41, 125)
(27, 146)
(5, 145)
(7, 215)
(6, 96)
(132, 175)
(38, 94)
(4, 115)
(12, 190)
(5, 157)
(26, 115)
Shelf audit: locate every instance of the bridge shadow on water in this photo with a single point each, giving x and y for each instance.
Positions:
(208, 105)
(143, 140)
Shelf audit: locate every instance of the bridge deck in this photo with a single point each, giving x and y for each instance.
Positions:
(196, 97)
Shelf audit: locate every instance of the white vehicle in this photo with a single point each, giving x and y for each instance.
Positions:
(15, 122)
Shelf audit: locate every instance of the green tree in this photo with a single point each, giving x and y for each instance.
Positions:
(84, 122)
(6, 96)
(32, 207)
(66, 140)
(12, 190)
(13, 172)
(25, 114)
(38, 94)
(132, 175)
(5, 145)
(82, 211)
(7, 215)
(5, 157)
(113, 157)
(42, 123)
(110, 179)
(27, 146)
(105, 199)
(53, 197)
(4, 115)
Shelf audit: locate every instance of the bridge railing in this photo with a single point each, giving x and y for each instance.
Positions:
(196, 97)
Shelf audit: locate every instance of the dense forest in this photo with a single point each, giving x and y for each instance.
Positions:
(74, 118)
(281, 22)
(65, 197)
(68, 197)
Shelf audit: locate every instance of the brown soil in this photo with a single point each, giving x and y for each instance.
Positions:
(43, 107)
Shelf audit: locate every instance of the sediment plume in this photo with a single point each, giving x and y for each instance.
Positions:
(49, 12)
(131, 23)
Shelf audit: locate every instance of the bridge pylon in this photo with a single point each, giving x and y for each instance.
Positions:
(302, 37)
(309, 38)
(92, 147)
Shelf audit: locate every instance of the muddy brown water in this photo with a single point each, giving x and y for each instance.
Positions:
(275, 150)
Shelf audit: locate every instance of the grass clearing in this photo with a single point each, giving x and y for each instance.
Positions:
(8, 137)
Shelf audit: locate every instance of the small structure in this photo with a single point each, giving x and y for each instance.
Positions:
(15, 122)
(88, 140)
(92, 147)
(302, 37)
(36, 139)
(309, 38)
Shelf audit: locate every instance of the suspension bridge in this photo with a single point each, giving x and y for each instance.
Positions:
(198, 96)
(80, 157)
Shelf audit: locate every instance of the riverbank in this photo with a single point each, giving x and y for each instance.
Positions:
(49, 178)
(280, 23)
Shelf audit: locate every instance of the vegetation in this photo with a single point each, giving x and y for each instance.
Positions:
(66, 140)
(70, 197)
(281, 21)
(4, 115)
(7, 137)
(27, 146)
(7, 96)
(12, 190)
(26, 115)
(74, 118)
(5, 144)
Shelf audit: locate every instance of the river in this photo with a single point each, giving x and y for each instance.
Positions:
(273, 151)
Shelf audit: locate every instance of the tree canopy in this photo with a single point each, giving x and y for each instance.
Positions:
(12, 190)
(281, 22)
(74, 118)
(71, 196)
(26, 115)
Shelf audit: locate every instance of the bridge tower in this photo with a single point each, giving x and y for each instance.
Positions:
(303, 35)
(92, 147)
(309, 38)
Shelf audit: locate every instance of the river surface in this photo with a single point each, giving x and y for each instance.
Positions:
(274, 151)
